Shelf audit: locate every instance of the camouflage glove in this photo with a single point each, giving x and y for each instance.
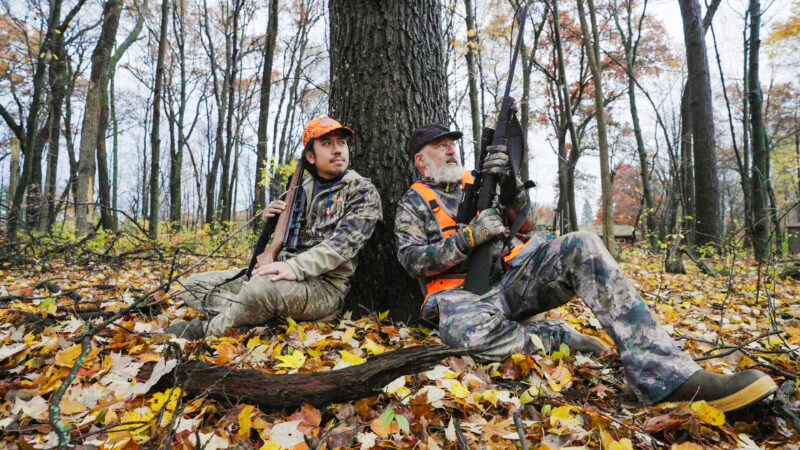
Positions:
(484, 227)
(497, 162)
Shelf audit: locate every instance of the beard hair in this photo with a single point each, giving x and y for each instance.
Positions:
(446, 173)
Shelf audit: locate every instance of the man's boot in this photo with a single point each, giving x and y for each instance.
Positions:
(187, 330)
(586, 344)
(724, 392)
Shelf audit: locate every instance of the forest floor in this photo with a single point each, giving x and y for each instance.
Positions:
(53, 294)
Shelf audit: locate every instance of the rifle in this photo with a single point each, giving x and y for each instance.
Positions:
(481, 194)
(283, 229)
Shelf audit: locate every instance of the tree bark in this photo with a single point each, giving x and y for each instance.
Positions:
(387, 78)
(176, 154)
(263, 113)
(155, 139)
(472, 71)
(90, 132)
(58, 89)
(273, 391)
(566, 197)
(593, 52)
(630, 45)
(103, 182)
(706, 186)
(28, 134)
(760, 170)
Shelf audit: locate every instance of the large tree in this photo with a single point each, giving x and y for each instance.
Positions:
(706, 187)
(387, 77)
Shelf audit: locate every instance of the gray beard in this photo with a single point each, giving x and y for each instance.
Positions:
(446, 173)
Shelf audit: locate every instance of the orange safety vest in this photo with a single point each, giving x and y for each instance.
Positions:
(448, 226)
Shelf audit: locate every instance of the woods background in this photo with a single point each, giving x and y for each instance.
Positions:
(187, 114)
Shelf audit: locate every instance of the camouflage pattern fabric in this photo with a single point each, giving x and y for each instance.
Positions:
(339, 221)
(574, 264)
(253, 301)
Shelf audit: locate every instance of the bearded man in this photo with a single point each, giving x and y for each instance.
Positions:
(436, 250)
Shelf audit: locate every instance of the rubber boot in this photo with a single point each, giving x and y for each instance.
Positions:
(725, 392)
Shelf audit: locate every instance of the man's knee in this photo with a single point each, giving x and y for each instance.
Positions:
(473, 326)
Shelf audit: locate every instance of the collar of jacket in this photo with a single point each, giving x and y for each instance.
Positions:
(447, 187)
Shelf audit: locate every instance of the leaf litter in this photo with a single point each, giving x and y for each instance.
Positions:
(564, 400)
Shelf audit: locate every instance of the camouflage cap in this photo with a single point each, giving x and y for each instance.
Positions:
(321, 126)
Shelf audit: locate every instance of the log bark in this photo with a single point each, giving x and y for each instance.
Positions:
(272, 391)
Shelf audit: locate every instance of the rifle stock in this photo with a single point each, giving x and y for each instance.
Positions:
(276, 227)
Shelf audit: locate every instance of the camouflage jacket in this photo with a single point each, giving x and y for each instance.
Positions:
(339, 220)
(421, 248)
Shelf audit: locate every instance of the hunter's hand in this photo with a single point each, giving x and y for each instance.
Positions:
(485, 226)
(497, 162)
(281, 269)
(275, 207)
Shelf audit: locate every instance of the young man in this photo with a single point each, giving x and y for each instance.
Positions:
(341, 212)
(542, 276)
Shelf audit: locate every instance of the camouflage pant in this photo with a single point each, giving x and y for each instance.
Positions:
(576, 263)
(253, 301)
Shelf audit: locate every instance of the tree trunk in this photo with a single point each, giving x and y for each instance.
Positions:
(221, 103)
(472, 71)
(760, 170)
(103, 183)
(176, 154)
(565, 99)
(687, 170)
(263, 114)
(13, 176)
(371, 43)
(593, 52)
(706, 184)
(98, 84)
(155, 139)
(112, 69)
(58, 90)
(29, 133)
(232, 57)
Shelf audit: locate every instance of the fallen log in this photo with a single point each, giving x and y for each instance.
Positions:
(272, 391)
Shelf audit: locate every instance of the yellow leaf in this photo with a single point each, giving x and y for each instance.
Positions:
(490, 395)
(269, 445)
(383, 315)
(458, 390)
(254, 342)
(708, 413)
(244, 422)
(66, 358)
(622, 444)
(225, 353)
(293, 361)
(529, 394)
(351, 358)
(348, 334)
(373, 348)
(519, 357)
(562, 414)
(70, 406)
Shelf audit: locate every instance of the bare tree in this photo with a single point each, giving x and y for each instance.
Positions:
(90, 131)
(155, 139)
